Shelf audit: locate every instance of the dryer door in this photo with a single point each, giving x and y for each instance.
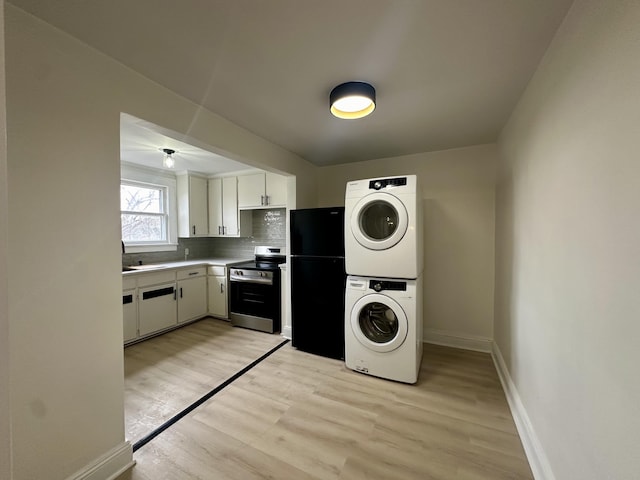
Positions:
(379, 323)
(379, 221)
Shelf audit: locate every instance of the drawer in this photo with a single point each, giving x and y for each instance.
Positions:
(156, 277)
(218, 271)
(128, 282)
(192, 272)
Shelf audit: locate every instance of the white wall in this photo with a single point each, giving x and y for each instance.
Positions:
(458, 197)
(568, 248)
(5, 435)
(63, 116)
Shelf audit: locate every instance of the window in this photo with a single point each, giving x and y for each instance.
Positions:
(144, 216)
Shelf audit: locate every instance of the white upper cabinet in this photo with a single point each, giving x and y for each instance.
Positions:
(192, 206)
(276, 189)
(215, 207)
(230, 206)
(262, 190)
(224, 218)
(251, 191)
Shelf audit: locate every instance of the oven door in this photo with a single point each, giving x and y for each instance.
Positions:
(255, 305)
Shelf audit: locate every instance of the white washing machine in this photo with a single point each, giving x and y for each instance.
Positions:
(383, 327)
(384, 227)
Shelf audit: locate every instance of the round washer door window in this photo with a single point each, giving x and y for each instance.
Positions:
(379, 323)
(379, 221)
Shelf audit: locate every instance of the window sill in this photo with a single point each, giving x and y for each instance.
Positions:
(170, 247)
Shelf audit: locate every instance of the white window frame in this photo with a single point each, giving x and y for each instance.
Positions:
(134, 175)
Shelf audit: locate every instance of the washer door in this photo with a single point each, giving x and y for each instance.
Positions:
(379, 221)
(379, 323)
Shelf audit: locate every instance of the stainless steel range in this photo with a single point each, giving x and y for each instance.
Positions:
(255, 291)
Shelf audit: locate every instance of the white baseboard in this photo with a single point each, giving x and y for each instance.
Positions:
(286, 332)
(538, 460)
(448, 339)
(109, 466)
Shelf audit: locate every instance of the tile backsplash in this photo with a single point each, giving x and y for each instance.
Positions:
(269, 228)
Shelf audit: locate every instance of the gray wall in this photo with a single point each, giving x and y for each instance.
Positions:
(457, 190)
(64, 102)
(568, 249)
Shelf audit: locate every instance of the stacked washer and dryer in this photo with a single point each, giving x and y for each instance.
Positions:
(384, 261)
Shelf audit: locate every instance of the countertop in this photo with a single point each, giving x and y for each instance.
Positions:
(224, 262)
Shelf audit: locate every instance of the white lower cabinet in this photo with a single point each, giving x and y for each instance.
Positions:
(161, 300)
(218, 297)
(129, 315)
(156, 308)
(192, 294)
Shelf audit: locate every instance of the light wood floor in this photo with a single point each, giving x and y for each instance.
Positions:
(166, 374)
(299, 416)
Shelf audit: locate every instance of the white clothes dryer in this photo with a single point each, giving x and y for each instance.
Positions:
(383, 327)
(384, 227)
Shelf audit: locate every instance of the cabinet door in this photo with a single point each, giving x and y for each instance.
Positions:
(251, 191)
(276, 189)
(198, 206)
(218, 296)
(156, 308)
(230, 206)
(192, 298)
(192, 206)
(215, 207)
(129, 315)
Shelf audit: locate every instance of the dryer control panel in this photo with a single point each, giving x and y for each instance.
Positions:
(380, 285)
(386, 182)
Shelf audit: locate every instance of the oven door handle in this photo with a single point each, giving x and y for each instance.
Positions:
(263, 281)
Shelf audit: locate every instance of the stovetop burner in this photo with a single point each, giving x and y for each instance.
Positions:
(256, 265)
(267, 258)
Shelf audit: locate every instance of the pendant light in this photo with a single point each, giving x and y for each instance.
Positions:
(352, 100)
(168, 161)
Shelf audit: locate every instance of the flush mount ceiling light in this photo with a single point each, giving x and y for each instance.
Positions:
(168, 161)
(352, 100)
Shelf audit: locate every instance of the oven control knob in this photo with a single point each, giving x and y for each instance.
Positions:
(377, 287)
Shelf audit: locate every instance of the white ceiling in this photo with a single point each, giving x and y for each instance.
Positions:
(447, 73)
(141, 143)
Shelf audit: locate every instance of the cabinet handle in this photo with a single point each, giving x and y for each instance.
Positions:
(175, 293)
(224, 230)
(219, 230)
(221, 289)
(266, 200)
(194, 229)
(180, 292)
(193, 273)
(261, 199)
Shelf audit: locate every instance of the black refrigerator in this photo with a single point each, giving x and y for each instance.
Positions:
(318, 281)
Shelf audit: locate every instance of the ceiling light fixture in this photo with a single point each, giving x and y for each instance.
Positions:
(168, 161)
(352, 100)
